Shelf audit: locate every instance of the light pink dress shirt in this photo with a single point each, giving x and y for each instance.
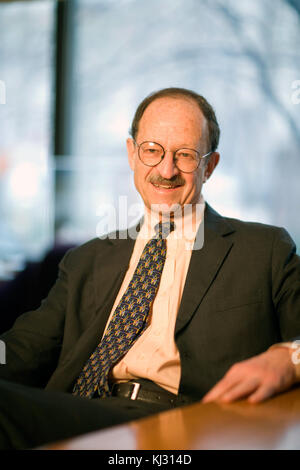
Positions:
(154, 355)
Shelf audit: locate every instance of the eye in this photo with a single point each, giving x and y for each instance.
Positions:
(186, 155)
(150, 148)
(150, 151)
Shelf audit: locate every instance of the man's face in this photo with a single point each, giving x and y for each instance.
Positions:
(173, 123)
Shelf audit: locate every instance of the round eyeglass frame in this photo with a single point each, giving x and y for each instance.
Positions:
(201, 157)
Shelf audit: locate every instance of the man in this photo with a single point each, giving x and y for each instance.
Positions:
(129, 321)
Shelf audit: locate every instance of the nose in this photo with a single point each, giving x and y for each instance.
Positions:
(167, 167)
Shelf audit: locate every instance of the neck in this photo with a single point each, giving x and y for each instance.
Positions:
(185, 215)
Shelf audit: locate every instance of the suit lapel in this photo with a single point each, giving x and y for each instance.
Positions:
(110, 267)
(204, 265)
(109, 271)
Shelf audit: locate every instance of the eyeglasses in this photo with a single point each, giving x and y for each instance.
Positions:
(187, 160)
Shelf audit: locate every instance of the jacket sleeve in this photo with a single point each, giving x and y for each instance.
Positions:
(32, 346)
(286, 285)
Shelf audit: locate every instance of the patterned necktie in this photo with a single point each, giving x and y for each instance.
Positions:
(129, 319)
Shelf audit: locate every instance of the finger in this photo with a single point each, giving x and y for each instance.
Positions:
(223, 386)
(241, 390)
(261, 394)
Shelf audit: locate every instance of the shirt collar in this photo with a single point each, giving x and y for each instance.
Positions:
(186, 224)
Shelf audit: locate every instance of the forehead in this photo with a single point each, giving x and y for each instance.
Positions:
(178, 118)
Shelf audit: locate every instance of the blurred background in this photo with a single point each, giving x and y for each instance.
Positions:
(71, 76)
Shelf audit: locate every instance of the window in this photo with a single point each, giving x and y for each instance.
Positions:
(26, 189)
(242, 56)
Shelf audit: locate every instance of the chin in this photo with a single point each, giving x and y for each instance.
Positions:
(164, 207)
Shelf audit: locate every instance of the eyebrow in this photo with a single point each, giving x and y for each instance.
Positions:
(181, 146)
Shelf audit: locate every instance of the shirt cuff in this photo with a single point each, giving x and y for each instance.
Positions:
(294, 348)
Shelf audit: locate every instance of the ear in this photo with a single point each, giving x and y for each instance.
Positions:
(211, 164)
(131, 152)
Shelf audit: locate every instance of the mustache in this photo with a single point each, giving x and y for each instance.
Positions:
(176, 180)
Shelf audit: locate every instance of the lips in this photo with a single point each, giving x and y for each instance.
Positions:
(164, 186)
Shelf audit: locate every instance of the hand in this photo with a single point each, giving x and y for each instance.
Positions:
(256, 379)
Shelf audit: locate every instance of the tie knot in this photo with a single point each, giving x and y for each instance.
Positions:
(163, 229)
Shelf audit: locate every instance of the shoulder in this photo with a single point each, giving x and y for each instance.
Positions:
(92, 250)
(85, 253)
(264, 239)
(250, 231)
(260, 231)
(251, 228)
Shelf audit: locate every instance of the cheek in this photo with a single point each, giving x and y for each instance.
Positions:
(141, 177)
(192, 188)
(192, 182)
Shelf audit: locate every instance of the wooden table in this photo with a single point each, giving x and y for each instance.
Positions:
(274, 424)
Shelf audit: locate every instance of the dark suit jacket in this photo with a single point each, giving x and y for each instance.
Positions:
(242, 294)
